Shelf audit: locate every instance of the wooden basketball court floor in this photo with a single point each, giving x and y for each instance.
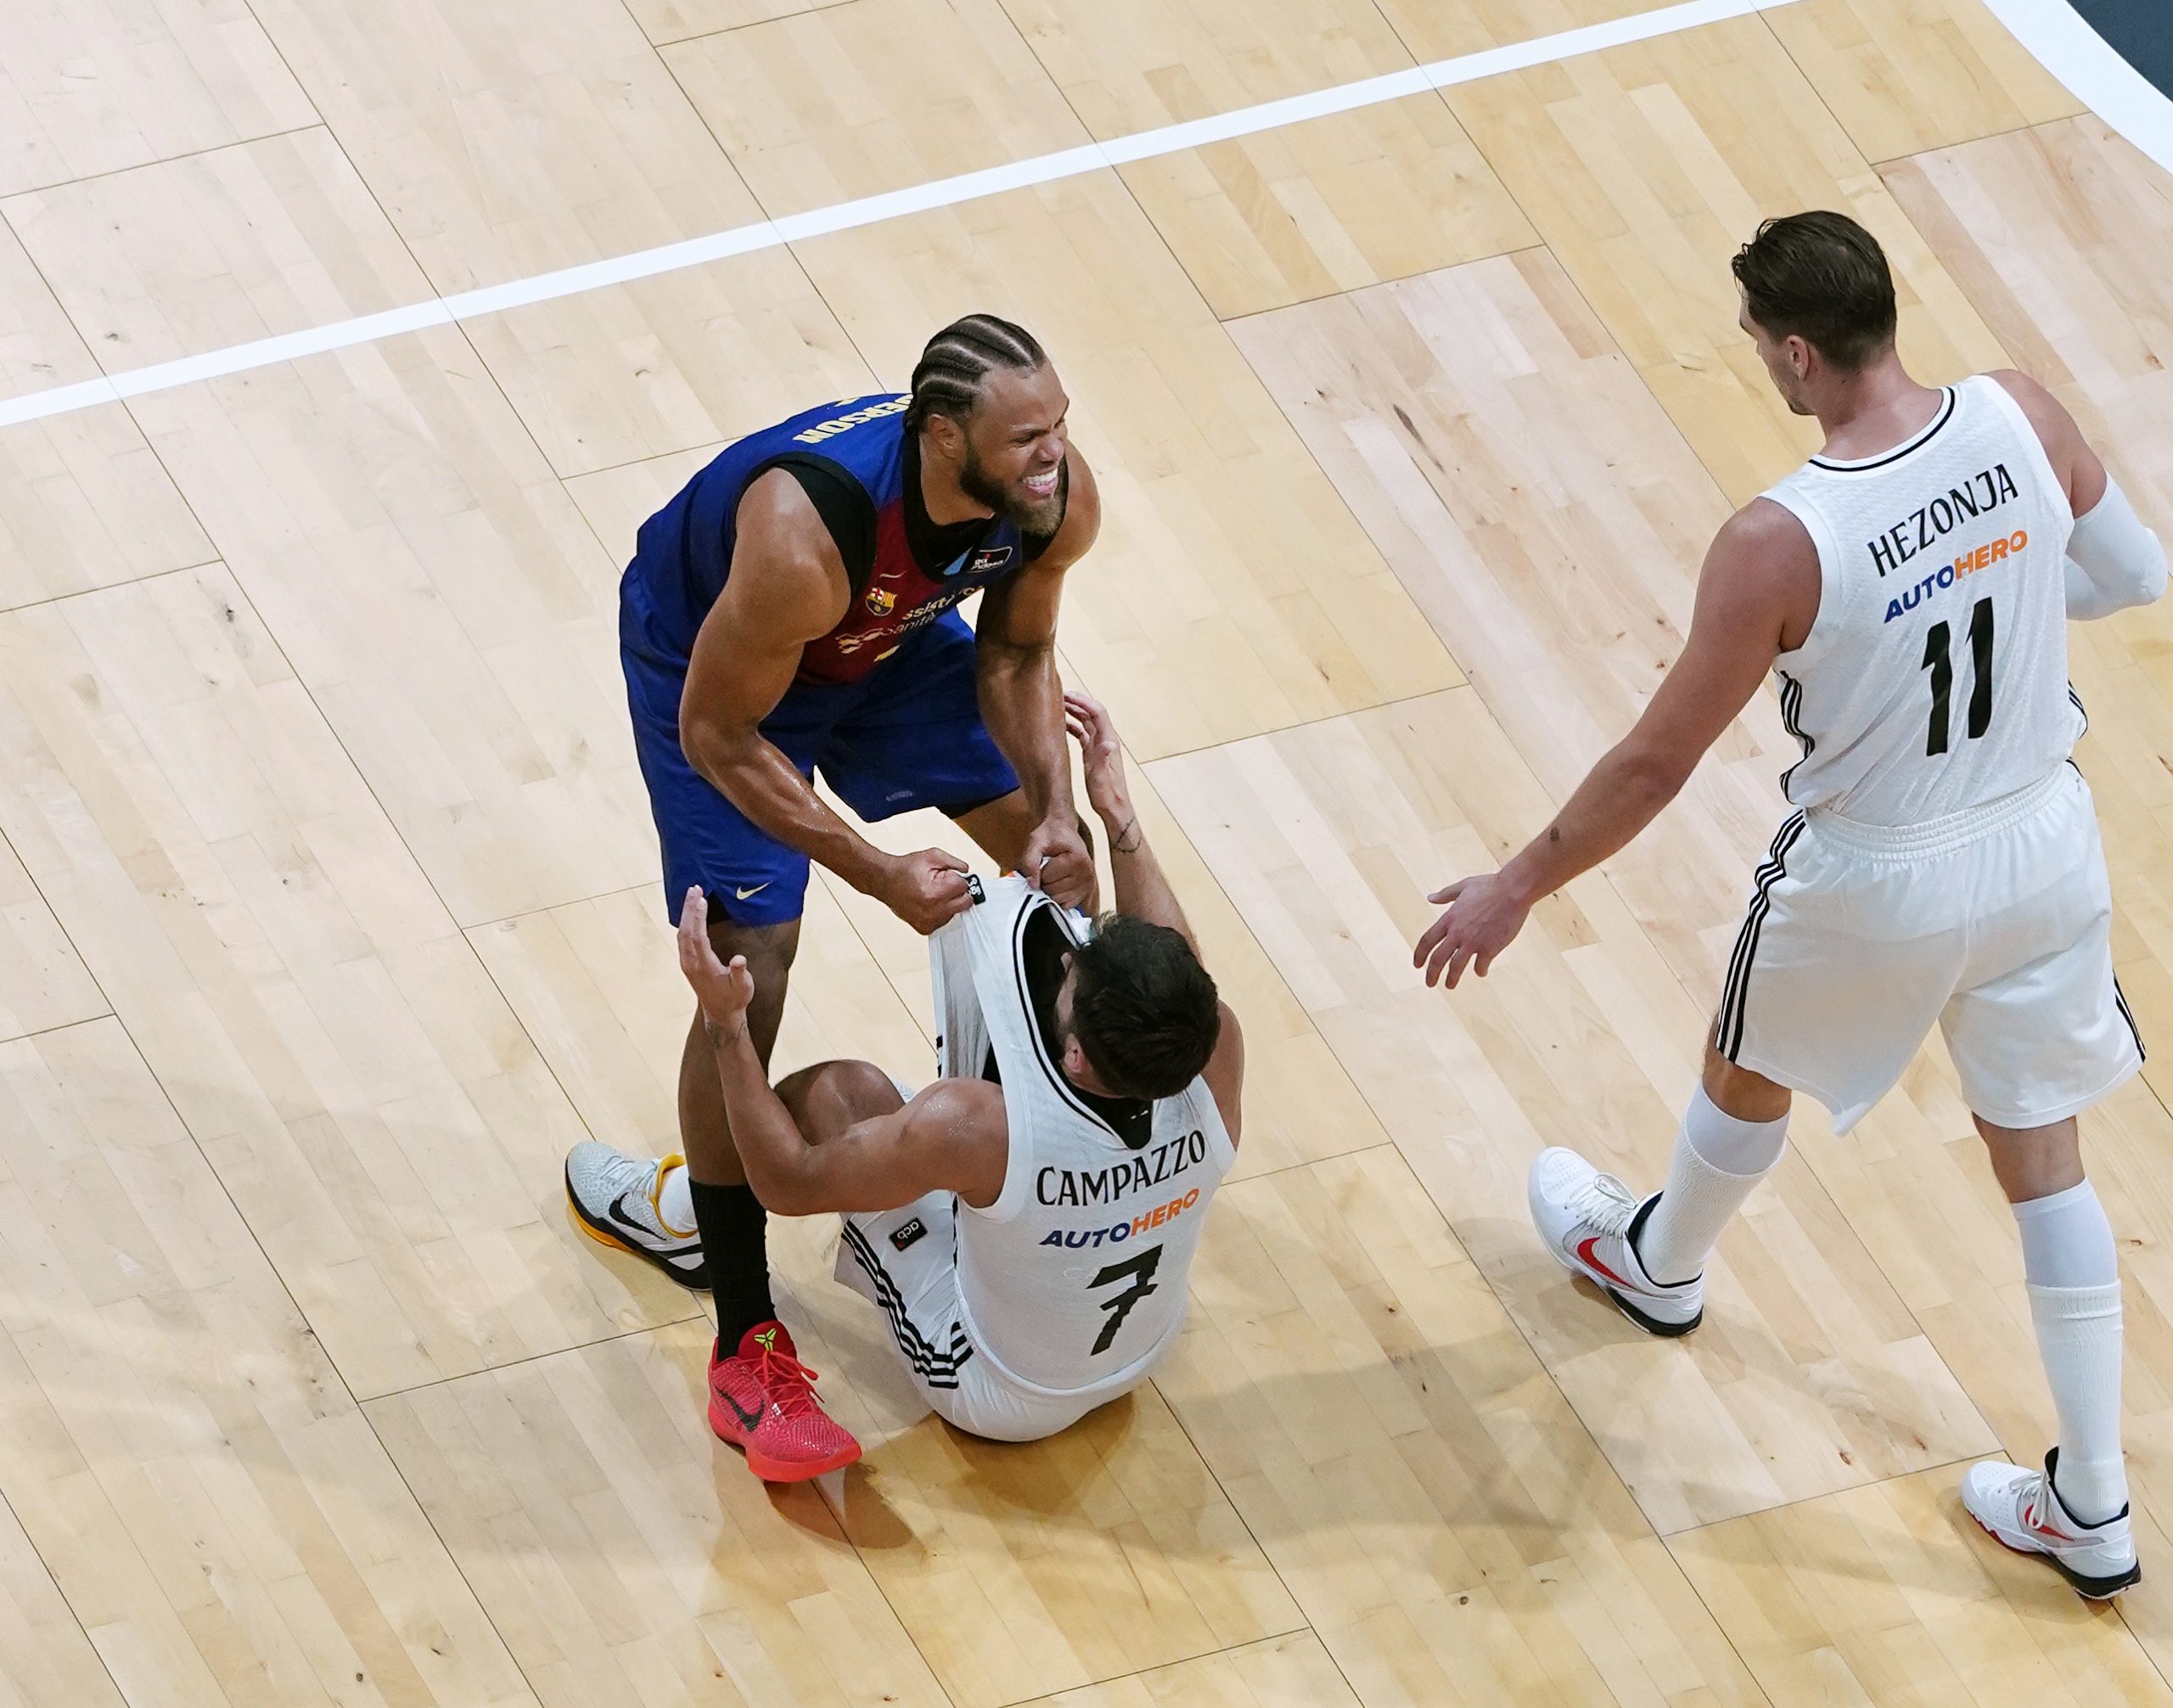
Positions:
(329, 915)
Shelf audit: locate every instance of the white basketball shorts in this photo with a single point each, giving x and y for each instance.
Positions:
(905, 1263)
(1994, 924)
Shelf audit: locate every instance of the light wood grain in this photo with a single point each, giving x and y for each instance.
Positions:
(98, 86)
(83, 502)
(1450, 1531)
(1299, 211)
(625, 1553)
(1809, 1374)
(1646, 168)
(1283, 1670)
(1892, 1594)
(505, 139)
(1906, 75)
(1230, 590)
(174, 1438)
(301, 991)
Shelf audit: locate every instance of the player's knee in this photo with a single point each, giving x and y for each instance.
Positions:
(825, 1099)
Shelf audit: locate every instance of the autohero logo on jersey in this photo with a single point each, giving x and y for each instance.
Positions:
(1087, 1186)
(1983, 557)
(1925, 527)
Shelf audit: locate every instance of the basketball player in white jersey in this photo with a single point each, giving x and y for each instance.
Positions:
(1026, 1221)
(1910, 588)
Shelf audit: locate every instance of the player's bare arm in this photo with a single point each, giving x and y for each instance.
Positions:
(1143, 890)
(2114, 562)
(789, 586)
(950, 1137)
(1757, 597)
(1022, 697)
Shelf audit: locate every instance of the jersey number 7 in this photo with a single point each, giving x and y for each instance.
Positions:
(1141, 1268)
(1938, 661)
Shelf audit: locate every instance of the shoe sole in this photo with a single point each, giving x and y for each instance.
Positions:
(694, 1281)
(1655, 1326)
(772, 1470)
(2089, 1588)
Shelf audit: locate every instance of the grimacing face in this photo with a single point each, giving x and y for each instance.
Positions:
(1782, 356)
(1012, 460)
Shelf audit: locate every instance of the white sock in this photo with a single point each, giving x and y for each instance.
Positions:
(1717, 1160)
(2075, 1300)
(675, 1203)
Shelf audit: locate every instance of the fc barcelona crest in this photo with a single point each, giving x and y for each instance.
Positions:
(881, 601)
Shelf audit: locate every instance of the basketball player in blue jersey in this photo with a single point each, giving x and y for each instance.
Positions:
(793, 610)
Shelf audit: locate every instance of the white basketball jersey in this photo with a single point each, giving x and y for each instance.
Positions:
(1935, 678)
(1074, 1278)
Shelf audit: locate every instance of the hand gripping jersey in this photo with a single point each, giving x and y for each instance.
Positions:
(1074, 1280)
(1935, 678)
(683, 552)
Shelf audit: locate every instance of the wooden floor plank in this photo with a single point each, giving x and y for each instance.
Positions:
(1299, 211)
(1645, 168)
(103, 86)
(1230, 590)
(83, 503)
(1906, 75)
(1448, 1528)
(321, 1027)
(1809, 1374)
(174, 1439)
(1892, 1594)
(503, 141)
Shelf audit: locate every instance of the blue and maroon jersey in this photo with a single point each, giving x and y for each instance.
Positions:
(861, 468)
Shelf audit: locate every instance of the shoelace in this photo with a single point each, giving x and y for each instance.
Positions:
(1605, 1202)
(789, 1384)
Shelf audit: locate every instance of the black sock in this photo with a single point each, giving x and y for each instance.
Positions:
(735, 1245)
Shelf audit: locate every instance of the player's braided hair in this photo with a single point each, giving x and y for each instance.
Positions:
(947, 380)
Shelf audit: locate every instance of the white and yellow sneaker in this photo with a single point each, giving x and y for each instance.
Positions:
(1590, 1221)
(2022, 1509)
(615, 1196)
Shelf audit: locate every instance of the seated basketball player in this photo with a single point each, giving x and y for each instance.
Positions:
(1025, 1223)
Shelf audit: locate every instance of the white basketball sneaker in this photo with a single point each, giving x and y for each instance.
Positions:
(2021, 1509)
(615, 1197)
(1589, 1221)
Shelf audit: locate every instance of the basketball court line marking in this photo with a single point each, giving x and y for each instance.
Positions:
(769, 233)
(2063, 43)
(2050, 30)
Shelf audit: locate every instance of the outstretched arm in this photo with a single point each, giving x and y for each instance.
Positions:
(1757, 595)
(951, 1136)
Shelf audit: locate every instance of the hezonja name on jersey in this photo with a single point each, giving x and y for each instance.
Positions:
(1967, 564)
(1080, 1239)
(1167, 1160)
(838, 424)
(1905, 539)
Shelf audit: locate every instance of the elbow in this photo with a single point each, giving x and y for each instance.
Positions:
(786, 1191)
(717, 750)
(1652, 777)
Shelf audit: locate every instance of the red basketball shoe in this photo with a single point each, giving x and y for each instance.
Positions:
(762, 1399)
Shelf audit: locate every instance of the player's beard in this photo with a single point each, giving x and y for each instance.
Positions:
(1028, 516)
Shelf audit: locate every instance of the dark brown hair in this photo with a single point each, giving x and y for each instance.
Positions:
(1143, 1007)
(1822, 277)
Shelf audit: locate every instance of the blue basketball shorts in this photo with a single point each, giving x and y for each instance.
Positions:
(907, 734)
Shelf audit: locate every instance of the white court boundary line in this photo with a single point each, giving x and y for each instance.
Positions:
(1040, 169)
(2060, 41)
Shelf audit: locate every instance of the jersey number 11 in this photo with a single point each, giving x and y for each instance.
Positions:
(1940, 662)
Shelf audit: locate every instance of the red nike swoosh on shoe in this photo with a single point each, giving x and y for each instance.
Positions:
(1585, 1254)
